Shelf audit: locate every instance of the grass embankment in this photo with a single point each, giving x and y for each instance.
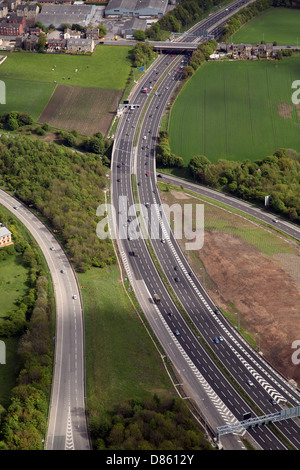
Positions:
(121, 359)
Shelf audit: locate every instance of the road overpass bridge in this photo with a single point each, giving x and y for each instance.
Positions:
(178, 47)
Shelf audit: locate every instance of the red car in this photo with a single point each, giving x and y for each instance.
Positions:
(147, 174)
(175, 70)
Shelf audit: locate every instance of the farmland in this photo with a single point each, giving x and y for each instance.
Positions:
(276, 24)
(108, 67)
(88, 110)
(78, 92)
(236, 111)
(27, 96)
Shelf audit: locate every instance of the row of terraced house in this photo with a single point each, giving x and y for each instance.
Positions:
(246, 50)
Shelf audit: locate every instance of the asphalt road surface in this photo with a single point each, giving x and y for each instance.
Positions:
(67, 428)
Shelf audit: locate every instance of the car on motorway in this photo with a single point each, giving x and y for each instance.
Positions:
(74, 297)
(216, 340)
(220, 338)
(176, 332)
(249, 382)
(62, 271)
(16, 207)
(170, 314)
(147, 174)
(275, 220)
(163, 240)
(176, 279)
(273, 401)
(216, 311)
(52, 248)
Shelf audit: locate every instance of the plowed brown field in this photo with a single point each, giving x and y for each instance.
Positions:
(87, 110)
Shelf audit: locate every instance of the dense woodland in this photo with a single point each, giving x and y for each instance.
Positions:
(150, 424)
(65, 187)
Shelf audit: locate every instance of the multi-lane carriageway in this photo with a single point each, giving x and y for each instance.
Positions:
(222, 402)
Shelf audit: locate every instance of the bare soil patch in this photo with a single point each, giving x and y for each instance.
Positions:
(261, 285)
(87, 110)
(264, 293)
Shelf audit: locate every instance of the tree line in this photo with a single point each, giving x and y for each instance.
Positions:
(277, 176)
(244, 15)
(179, 18)
(23, 424)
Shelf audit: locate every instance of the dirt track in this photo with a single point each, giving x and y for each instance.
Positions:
(263, 287)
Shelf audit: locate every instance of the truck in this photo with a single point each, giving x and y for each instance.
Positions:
(156, 299)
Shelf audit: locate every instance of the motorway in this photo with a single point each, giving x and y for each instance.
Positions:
(214, 394)
(205, 384)
(261, 214)
(67, 427)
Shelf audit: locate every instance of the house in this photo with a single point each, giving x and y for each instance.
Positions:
(12, 28)
(12, 4)
(92, 33)
(28, 10)
(70, 33)
(5, 237)
(248, 51)
(80, 45)
(56, 44)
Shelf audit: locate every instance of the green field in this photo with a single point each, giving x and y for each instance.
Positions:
(26, 96)
(237, 111)
(108, 67)
(278, 24)
(13, 279)
(30, 78)
(120, 358)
